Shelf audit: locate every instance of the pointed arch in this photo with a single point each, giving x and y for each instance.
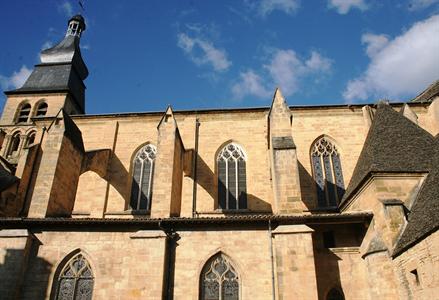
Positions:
(219, 279)
(143, 164)
(327, 171)
(74, 278)
(231, 162)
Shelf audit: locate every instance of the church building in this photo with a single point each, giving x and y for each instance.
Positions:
(282, 202)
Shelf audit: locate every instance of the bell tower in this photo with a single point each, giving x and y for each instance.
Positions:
(55, 83)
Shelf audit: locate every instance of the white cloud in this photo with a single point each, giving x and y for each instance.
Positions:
(265, 7)
(421, 4)
(250, 83)
(16, 80)
(375, 43)
(202, 52)
(287, 70)
(400, 67)
(66, 8)
(344, 6)
(284, 69)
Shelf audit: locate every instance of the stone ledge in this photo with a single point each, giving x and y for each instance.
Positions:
(12, 233)
(148, 234)
(345, 250)
(292, 229)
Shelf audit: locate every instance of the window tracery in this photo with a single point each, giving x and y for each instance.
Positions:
(232, 190)
(143, 169)
(219, 280)
(327, 172)
(76, 280)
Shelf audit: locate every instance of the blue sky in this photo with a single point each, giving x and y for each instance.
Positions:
(144, 55)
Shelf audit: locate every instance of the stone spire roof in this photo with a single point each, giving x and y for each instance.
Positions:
(62, 67)
(393, 144)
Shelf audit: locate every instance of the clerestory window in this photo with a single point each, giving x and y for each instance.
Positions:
(75, 281)
(219, 279)
(327, 172)
(232, 190)
(143, 170)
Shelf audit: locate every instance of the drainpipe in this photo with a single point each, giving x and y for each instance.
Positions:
(168, 274)
(194, 170)
(270, 236)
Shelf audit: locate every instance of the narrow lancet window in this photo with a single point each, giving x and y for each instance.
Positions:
(219, 280)
(327, 172)
(143, 169)
(75, 281)
(232, 190)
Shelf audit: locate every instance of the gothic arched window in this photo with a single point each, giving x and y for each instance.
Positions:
(143, 169)
(327, 172)
(75, 281)
(219, 280)
(41, 109)
(335, 294)
(232, 191)
(23, 113)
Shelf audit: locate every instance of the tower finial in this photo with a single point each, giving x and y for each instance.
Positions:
(76, 26)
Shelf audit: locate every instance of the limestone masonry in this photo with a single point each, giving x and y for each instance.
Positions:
(282, 202)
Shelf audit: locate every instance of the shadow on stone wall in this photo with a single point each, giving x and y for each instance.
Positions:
(36, 279)
(329, 259)
(24, 277)
(307, 188)
(207, 179)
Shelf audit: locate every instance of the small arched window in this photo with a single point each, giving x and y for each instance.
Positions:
(219, 279)
(41, 109)
(143, 169)
(327, 172)
(75, 281)
(30, 138)
(335, 294)
(23, 113)
(13, 145)
(232, 190)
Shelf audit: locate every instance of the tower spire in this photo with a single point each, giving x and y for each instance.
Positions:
(62, 68)
(76, 26)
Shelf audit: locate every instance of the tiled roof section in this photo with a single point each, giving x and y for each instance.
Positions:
(424, 216)
(393, 144)
(355, 217)
(6, 178)
(428, 94)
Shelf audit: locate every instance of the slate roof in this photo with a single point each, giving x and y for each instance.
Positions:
(239, 219)
(6, 178)
(428, 94)
(424, 213)
(393, 144)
